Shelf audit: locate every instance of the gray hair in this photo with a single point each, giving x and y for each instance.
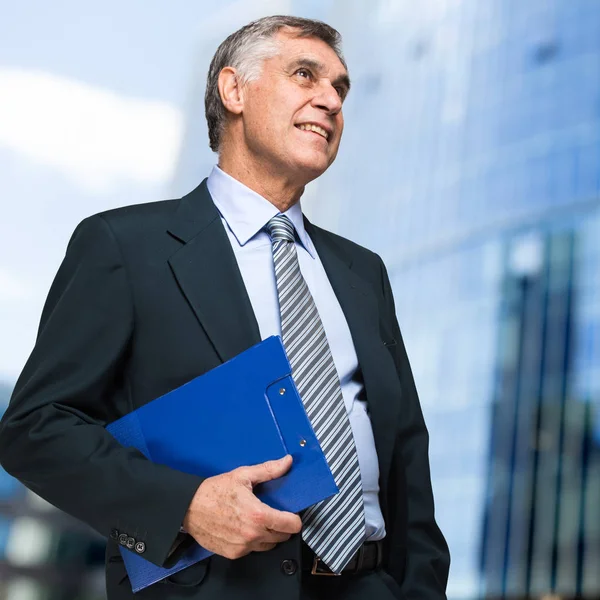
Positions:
(246, 50)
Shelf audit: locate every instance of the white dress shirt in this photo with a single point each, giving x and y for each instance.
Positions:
(244, 213)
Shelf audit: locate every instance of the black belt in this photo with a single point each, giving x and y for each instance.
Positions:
(367, 558)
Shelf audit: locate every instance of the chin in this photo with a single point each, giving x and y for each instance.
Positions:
(313, 166)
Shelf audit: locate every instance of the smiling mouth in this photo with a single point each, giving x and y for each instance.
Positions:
(314, 128)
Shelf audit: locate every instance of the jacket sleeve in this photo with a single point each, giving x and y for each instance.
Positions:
(52, 435)
(427, 556)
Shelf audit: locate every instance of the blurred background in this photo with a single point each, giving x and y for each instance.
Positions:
(470, 162)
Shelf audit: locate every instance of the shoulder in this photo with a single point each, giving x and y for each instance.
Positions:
(129, 220)
(357, 253)
(135, 230)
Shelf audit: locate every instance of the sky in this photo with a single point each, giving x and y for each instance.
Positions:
(93, 102)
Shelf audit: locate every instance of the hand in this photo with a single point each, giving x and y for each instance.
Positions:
(226, 517)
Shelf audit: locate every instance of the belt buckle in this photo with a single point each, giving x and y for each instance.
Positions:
(315, 567)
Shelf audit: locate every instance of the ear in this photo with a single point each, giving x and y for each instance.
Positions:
(230, 90)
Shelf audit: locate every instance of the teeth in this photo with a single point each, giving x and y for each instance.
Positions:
(315, 128)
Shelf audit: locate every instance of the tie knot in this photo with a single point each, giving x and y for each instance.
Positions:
(280, 228)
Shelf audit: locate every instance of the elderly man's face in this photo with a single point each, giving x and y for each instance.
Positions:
(299, 91)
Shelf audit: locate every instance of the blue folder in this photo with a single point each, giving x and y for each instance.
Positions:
(243, 412)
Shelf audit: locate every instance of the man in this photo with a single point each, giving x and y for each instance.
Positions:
(151, 296)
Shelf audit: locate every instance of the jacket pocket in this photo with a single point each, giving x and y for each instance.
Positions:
(391, 583)
(191, 576)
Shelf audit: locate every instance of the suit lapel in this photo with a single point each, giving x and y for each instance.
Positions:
(360, 308)
(206, 269)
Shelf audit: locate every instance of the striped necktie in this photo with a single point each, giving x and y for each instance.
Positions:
(335, 528)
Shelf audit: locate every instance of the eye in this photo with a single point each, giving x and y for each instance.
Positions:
(305, 73)
(341, 92)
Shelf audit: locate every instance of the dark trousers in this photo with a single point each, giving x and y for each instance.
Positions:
(374, 585)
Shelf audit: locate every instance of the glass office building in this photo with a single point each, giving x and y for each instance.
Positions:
(471, 163)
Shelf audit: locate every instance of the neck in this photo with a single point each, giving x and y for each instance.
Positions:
(280, 190)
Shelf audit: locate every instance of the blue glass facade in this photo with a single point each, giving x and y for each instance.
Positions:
(471, 162)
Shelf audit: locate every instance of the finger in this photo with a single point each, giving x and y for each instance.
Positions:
(276, 537)
(272, 469)
(282, 521)
(263, 546)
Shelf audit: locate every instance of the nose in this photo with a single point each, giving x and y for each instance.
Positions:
(327, 98)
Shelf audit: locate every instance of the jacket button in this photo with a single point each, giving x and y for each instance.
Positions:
(114, 534)
(289, 567)
(140, 547)
(130, 543)
(123, 539)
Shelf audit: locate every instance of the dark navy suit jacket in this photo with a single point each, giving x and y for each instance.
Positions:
(148, 297)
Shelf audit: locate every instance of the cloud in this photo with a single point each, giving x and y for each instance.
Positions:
(93, 136)
(12, 288)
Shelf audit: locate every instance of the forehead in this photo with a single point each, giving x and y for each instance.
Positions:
(294, 48)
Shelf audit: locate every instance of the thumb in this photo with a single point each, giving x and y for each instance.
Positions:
(272, 469)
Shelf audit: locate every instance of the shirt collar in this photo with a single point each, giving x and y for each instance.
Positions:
(246, 212)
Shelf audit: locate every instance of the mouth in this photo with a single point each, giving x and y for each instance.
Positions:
(311, 127)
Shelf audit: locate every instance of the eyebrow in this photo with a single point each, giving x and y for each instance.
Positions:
(315, 65)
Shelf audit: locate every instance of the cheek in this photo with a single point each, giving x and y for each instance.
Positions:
(261, 113)
(274, 121)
